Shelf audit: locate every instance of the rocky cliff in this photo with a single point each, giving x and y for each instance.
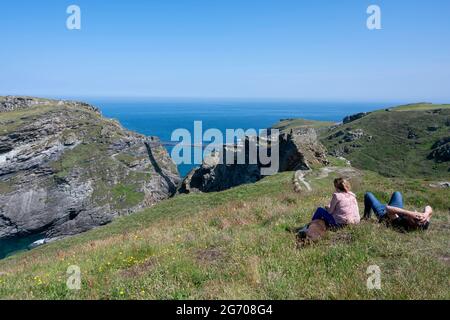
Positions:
(298, 149)
(65, 169)
(214, 175)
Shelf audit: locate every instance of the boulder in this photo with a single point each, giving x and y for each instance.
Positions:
(434, 127)
(412, 134)
(441, 154)
(442, 185)
(441, 150)
(355, 117)
(348, 135)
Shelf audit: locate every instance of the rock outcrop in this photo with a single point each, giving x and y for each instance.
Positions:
(441, 150)
(212, 176)
(348, 135)
(64, 169)
(348, 140)
(298, 150)
(441, 185)
(355, 117)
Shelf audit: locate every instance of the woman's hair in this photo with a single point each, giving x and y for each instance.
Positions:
(342, 185)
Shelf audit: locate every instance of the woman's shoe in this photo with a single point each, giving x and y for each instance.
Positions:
(367, 214)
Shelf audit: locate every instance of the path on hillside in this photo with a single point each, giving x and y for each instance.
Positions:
(300, 176)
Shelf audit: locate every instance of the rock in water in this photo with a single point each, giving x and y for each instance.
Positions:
(64, 169)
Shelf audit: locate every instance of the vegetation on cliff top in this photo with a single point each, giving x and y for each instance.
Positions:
(397, 142)
(287, 124)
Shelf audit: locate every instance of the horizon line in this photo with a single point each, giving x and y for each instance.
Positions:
(218, 98)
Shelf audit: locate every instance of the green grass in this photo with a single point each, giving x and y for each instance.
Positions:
(337, 162)
(288, 124)
(395, 144)
(421, 107)
(80, 156)
(10, 121)
(232, 245)
(127, 196)
(126, 159)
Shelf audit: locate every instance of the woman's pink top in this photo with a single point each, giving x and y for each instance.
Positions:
(344, 208)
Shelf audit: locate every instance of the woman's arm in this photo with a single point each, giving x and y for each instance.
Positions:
(414, 216)
(332, 206)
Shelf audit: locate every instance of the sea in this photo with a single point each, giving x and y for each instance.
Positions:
(160, 117)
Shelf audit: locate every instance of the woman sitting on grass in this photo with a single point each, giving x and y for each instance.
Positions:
(394, 214)
(342, 210)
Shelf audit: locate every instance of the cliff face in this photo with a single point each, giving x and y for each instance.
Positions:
(297, 150)
(64, 169)
(213, 176)
(300, 149)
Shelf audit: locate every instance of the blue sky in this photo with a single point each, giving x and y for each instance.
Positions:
(292, 49)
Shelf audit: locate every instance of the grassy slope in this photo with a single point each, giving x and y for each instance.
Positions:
(288, 124)
(233, 245)
(420, 106)
(391, 152)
